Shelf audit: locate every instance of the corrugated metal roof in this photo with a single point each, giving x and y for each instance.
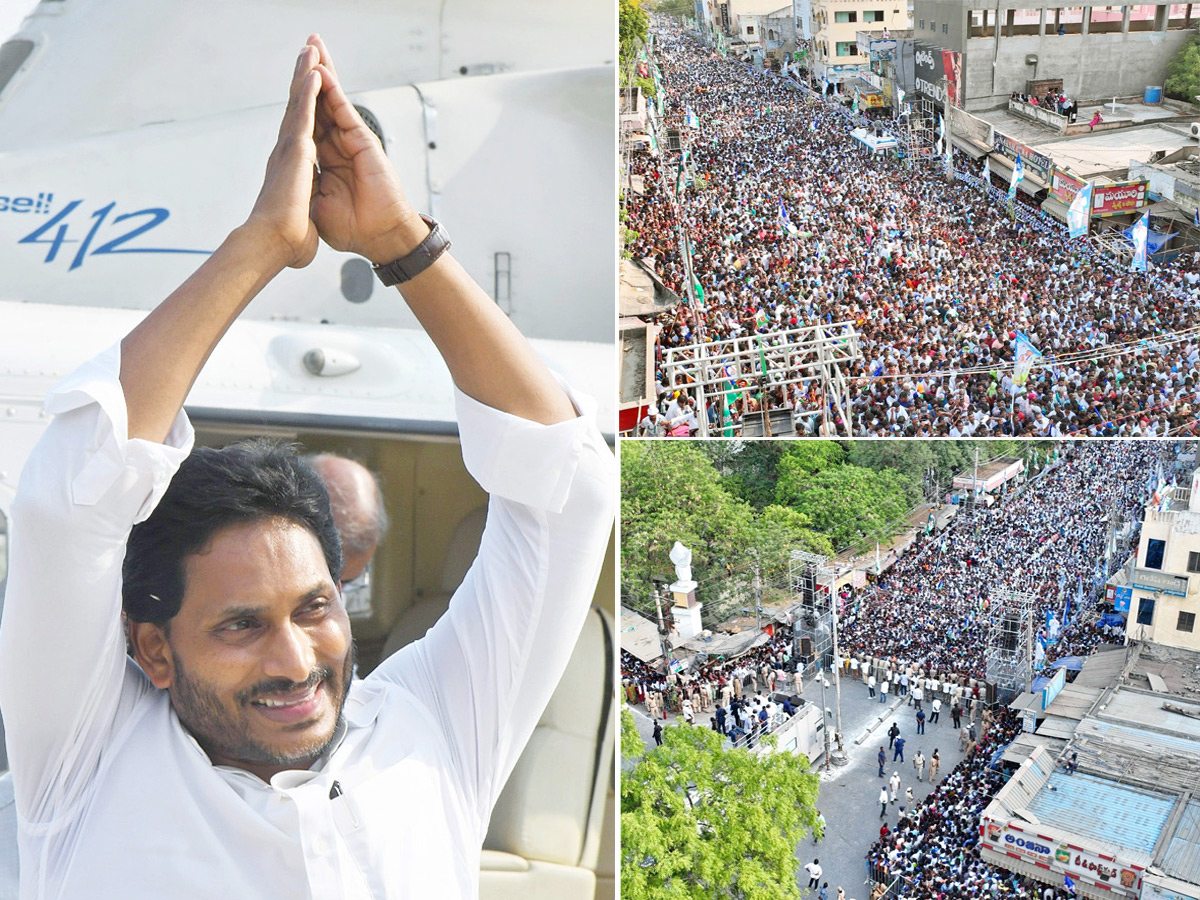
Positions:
(1182, 858)
(1139, 755)
(1073, 701)
(1058, 727)
(1101, 668)
(1024, 744)
(1103, 810)
(639, 636)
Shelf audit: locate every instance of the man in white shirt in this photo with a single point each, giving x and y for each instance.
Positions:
(237, 757)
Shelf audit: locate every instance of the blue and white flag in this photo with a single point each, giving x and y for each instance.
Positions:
(1141, 232)
(824, 85)
(987, 174)
(813, 123)
(691, 119)
(1196, 217)
(1069, 884)
(941, 134)
(1079, 215)
(1018, 174)
(784, 218)
(1024, 355)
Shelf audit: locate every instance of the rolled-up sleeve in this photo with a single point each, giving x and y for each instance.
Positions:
(487, 669)
(62, 648)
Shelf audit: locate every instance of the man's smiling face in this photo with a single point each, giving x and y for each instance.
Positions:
(259, 658)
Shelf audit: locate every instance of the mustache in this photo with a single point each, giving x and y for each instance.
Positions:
(285, 685)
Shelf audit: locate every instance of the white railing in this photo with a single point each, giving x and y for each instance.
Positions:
(1039, 114)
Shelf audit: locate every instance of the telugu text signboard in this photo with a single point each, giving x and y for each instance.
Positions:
(1064, 187)
(1058, 856)
(1120, 197)
(931, 65)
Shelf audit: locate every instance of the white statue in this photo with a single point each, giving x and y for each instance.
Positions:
(682, 557)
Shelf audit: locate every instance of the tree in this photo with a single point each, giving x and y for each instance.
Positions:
(633, 25)
(778, 531)
(676, 8)
(1183, 71)
(853, 505)
(670, 492)
(748, 467)
(699, 821)
(806, 457)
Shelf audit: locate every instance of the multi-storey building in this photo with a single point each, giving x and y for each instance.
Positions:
(1159, 589)
(1098, 52)
(836, 24)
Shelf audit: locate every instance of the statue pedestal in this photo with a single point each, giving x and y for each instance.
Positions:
(683, 594)
(687, 620)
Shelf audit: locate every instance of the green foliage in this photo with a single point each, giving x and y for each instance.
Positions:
(676, 8)
(699, 821)
(633, 25)
(802, 458)
(670, 492)
(748, 467)
(778, 531)
(853, 505)
(632, 745)
(909, 459)
(1183, 72)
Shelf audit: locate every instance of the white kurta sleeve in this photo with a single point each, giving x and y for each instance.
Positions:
(487, 669)
(62, 648)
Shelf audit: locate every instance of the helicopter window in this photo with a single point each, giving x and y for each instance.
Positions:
(372, 123)
(357, 280)
(12, 56)
(356, 594)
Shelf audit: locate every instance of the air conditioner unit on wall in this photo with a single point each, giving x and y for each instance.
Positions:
(1195, 129)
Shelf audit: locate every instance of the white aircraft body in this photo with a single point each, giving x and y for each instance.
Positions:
(133, 138)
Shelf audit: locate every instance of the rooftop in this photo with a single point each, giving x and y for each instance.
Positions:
(1083, 805)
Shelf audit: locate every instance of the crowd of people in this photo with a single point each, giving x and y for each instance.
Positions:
(789, 228)
(928, 611)
(933, 851)
(1053, 100)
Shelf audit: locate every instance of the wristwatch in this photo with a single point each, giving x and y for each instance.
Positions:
(414, 263)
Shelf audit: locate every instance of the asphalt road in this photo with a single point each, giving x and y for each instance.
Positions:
(849, 794)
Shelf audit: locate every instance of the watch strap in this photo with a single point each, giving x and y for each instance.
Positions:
(418, 260)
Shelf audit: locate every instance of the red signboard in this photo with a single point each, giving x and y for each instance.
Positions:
(1119, 197)
(1063, 187)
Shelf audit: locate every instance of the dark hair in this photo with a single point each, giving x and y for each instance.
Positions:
(213, 489)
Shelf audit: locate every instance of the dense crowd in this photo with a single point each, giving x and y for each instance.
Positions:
(933, 851)
(929, 610)
(936, 279)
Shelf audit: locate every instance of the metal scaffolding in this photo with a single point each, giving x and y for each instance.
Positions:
(810, 581)
(816, 357)
(1009, 650)
(918, 131)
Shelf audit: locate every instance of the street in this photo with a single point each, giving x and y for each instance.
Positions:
(849, 794)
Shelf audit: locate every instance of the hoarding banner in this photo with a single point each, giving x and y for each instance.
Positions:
(932, 65)
(1037, 163)
(1120, 197)
(1048, 853)
(1064, 187)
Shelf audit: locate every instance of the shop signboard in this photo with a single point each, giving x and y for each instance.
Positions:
(1037, 163)
(1058, 856)
(1064, 187)
(1118, 197)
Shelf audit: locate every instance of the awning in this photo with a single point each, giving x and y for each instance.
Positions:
(968, 146)
(1056, 208)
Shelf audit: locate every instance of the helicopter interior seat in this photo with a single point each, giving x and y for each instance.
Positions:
(545, 839)
(546, 831)
(420, 616)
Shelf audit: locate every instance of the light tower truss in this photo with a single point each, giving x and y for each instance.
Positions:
(1009, 651)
